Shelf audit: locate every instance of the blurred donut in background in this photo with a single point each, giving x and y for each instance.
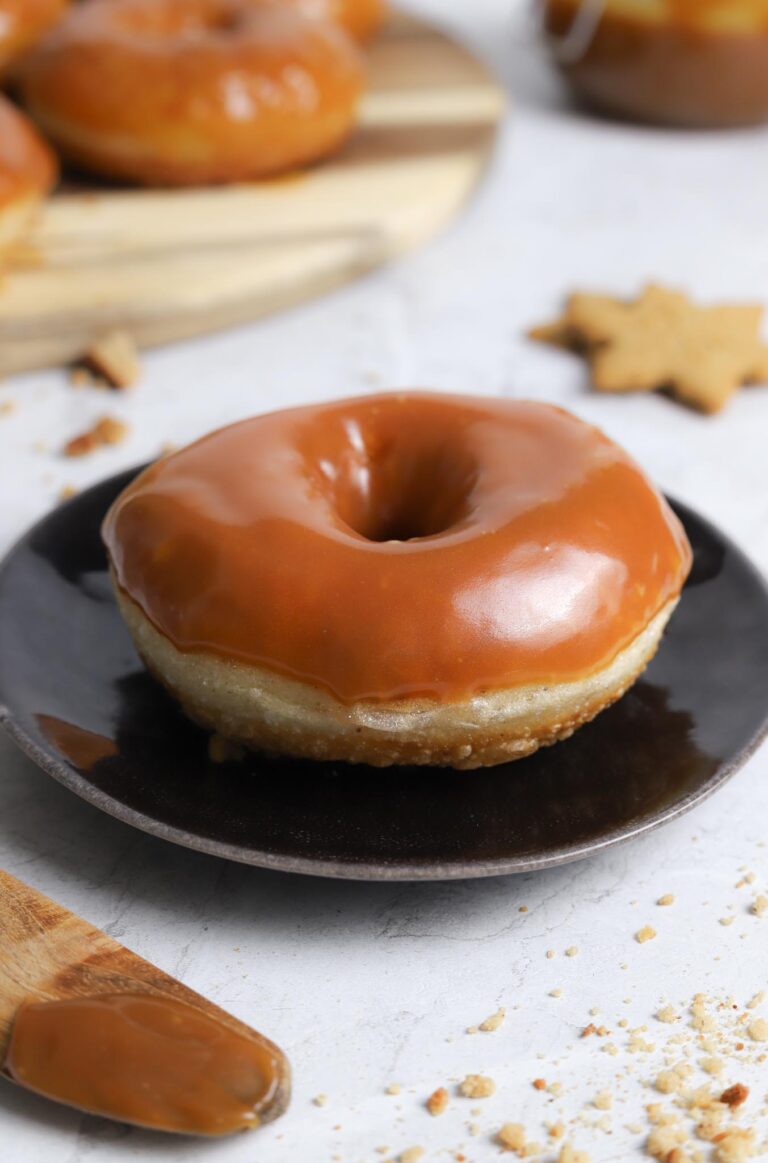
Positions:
(360, 18)
(185, 92)
(27, 172)
(693, 63)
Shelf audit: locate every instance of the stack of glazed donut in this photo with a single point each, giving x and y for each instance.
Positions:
(174, 92)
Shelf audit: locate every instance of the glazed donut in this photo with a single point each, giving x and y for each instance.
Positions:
(360, 18)
(27, 171)
(672, 62)
(22, 22)
(413, 578)
(184, 92)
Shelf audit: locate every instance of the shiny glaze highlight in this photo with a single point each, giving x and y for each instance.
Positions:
(401, 545)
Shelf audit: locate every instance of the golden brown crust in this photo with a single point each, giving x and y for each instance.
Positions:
(267, 712)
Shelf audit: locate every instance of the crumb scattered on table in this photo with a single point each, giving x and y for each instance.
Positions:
(437, 1103)
(494, 1021)
(477, 1086)
(113, 357)
(107, 430)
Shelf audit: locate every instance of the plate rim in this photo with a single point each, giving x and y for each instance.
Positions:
(69, 777)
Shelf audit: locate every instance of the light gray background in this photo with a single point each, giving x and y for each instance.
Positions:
(366, 984)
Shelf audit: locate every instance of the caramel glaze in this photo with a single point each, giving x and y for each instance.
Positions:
(143, 1059)
(27, 165)
(401, 545)
(193, 91)
(21, 23)
(679, 62)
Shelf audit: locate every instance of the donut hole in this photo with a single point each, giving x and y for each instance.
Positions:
(404, 494)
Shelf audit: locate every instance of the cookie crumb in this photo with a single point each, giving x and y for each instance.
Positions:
(734, 1095)
(66, 492)
(411, 1155)
(477, 1086)
(603, 1100)
(666, 900)
(539, 1084)
(647, 933)
(437, 1103)
(758, 1030)
(512, 1137)
(393, 1088)
(555, 993)
(664, 1139)
(113, 357)
(105, 431)
(572, 951)
(569, 1154)
(320, 1100)
(667, 1014)
(760, 905)
(494, 1021)
(735, 1147)
(672, 1081)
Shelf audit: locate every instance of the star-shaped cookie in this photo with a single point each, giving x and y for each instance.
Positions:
(663, 340)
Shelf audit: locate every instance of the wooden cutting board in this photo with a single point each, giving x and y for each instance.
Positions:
(171, 264)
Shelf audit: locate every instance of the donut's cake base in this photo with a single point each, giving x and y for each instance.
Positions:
(266, 711)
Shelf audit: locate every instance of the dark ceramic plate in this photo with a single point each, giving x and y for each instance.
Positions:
(75, 697)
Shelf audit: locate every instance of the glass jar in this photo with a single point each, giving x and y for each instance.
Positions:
(674, 62)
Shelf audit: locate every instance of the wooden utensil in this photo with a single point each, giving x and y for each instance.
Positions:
(166, 265)
(48, 954)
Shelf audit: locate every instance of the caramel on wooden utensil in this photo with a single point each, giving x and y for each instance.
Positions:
(85, 1021)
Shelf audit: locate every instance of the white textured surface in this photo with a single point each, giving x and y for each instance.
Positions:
(365, 985)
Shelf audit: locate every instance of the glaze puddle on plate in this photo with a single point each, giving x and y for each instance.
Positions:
(75, 697)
